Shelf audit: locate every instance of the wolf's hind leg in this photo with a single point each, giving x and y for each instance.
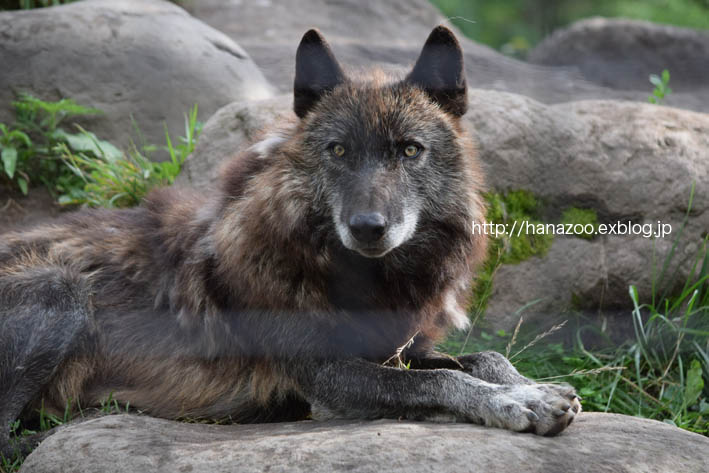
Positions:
(44, 317)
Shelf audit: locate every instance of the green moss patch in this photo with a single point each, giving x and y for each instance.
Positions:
(513, 209)
(518, 210)
(585, 220)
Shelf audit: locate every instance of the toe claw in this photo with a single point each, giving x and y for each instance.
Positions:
(532, 416)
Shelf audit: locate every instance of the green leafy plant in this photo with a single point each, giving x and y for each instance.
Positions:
(12, 143)
(78, 167)
(121, 180)
(662, 88)
(29, 146)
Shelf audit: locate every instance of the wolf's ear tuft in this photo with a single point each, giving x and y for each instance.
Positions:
(316, 72)
(440, 72)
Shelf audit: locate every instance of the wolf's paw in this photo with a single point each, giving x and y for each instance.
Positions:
(545, 409)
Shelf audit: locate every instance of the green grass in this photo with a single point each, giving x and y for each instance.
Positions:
(662, 373)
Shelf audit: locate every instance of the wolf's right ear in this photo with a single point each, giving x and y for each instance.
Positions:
(440, 73)
(316, 72)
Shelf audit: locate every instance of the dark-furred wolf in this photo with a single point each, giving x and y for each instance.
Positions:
(342, 234)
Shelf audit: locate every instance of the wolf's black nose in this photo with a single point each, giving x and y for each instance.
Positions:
(368, 228)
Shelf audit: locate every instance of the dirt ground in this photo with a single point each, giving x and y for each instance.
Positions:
(18, 212)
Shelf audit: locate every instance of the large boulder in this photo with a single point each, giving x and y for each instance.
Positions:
(620, 53)
(595, 443)
(146, 59)
(390, 34)
(228, 132)
(629, 162)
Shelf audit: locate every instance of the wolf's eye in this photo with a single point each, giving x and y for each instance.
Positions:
(338, 150)
(412, 150)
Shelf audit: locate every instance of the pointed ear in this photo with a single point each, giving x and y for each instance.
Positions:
(316, 72)
(439, 71)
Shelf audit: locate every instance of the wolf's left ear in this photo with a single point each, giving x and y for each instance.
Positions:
(316, 72)
(439, 71)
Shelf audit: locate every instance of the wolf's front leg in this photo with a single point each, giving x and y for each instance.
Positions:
(356, 389)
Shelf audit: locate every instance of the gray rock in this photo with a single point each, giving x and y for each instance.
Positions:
(575, 277)
(145, 58)
(627, 161)
(596, 443)
(620, 53)
(228, 132)
(390, 35)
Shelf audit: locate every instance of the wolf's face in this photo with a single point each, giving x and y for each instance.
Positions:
(383, 151)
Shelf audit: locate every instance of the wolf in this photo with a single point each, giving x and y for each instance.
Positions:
(341, 237)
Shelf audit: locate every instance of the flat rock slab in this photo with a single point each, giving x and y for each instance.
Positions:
(594, 443)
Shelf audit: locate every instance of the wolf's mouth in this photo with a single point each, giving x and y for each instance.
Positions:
(373, 252)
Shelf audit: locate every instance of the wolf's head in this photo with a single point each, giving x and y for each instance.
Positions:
(385, 152)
